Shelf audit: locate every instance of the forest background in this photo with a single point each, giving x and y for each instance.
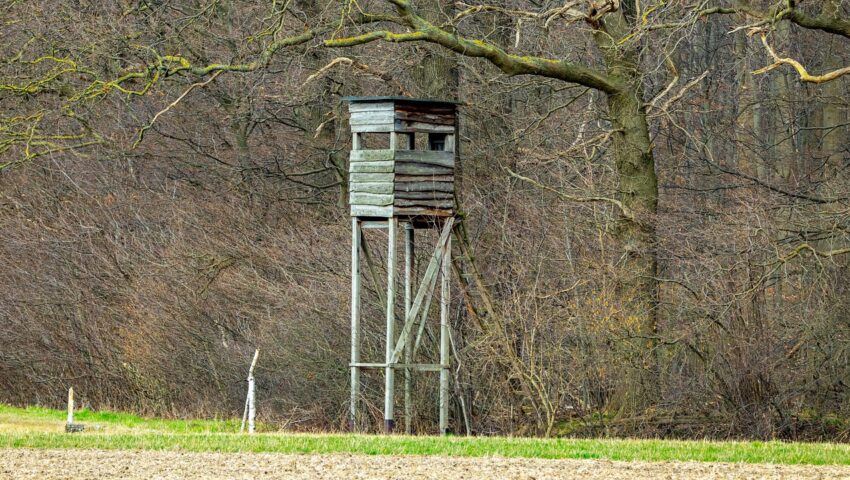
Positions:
(656, 192)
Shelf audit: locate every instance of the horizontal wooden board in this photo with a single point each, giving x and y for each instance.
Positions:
(408, 168)
(371, 107)
(372, 118)
(426, 117)
(377, 128)
(422, 211)
(370, 177)
(400, 202)
(443, 159)
(412, 107)
(374, 199)
(424, 195)
(385, 187)
(425, 186)
(371, 155)
(410, 126)
(423, 178)
(371, 167)
(371, 211)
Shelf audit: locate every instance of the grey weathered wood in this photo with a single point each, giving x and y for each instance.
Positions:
(380, 187)
(374, 224)
(408, 126)
(355, 141)
(371, 211)
(371, 167)
(426, 186)
(371, 155)
(436, 118)
(373, 199)
(381, 128)
(450, 143)
(371, 107)
(372, 117)
(431, 157)
(400, 202)
(389, 373)
(424, 195)
(408, 168)
(355, 322)
(445, 301)
(430, 275)
(409, 259)
(399, 178)
(422, 211)
(371, 177)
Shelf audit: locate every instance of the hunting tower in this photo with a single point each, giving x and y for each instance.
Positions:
(401, 171)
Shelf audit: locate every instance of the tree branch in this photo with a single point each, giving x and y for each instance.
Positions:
(507, 63)
(626, 211)
(805, 76)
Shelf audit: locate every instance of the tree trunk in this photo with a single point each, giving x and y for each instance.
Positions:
(638, 191)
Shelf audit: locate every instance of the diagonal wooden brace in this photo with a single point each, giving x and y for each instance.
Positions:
(426, 288)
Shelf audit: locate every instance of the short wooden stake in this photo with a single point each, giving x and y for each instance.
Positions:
(250, 406)
(70, 405)
(70, 426)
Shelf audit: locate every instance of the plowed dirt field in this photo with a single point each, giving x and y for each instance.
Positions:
(91, 464)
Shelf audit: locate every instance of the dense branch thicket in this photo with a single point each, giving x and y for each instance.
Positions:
(657, 193)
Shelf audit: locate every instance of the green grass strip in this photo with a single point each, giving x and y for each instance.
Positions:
(207, 436)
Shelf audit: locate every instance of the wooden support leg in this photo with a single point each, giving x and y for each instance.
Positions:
(408, 348)
(389, 375)
(355, 323)
(445, 300)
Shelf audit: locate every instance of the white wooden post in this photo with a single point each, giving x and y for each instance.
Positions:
(70, 405)
(250, 409)
(409, 253)
(356, 236)
(251, 405)
(389, 372)
(445, 302)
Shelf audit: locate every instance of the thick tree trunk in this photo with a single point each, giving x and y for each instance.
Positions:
(638, 191)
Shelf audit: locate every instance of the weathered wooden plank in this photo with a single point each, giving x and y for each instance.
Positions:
(371, 118)
(438, 118)
(425, 186)
(371, 107)
(371, 211)
(432, 157)
(450, 143)
(370, 177)
(371, 167)
(385, 187)
(424, 195)
(400, 202)
(422, 211)
(371, 155)
(378, 128)
(423, 178)
(408, 126)
(375, 199)
(409, 168)
(411, 107)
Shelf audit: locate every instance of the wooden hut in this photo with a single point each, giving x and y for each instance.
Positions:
(402, 157)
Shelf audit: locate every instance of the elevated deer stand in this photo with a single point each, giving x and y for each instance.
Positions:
(408, 179)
